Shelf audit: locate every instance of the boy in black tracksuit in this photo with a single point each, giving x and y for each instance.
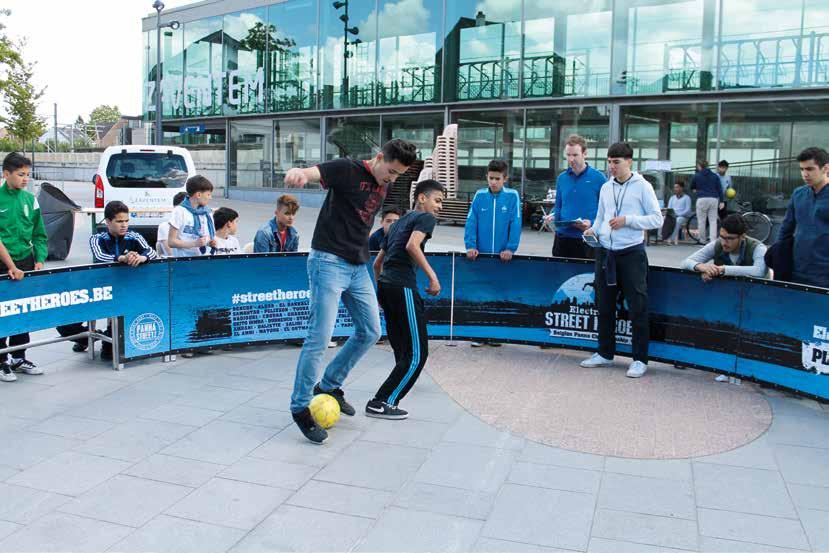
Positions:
(394, 270)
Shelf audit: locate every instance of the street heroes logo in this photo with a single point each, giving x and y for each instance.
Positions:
(815, 355)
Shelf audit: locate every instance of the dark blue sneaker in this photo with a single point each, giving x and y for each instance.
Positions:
(309, 427)
(382, 410)
(337, 393)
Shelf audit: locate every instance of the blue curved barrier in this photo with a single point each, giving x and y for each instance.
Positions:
(768, 331)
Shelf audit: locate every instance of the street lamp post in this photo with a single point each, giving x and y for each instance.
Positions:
(158, 5)
(346, 54)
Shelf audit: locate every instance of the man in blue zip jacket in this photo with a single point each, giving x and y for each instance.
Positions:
(494, 221)
(709, 200)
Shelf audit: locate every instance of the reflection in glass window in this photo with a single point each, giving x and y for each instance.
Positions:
(249, 155)
(296, 144)
(245, 44)
(203, 67)
(421, 129)
(482, 137)
(409, 56)
(483, 49)
(292, 65)
(774, 43)
(665, 47)
(566, 48)
(347, 56)
(171, 73)
(356, 137)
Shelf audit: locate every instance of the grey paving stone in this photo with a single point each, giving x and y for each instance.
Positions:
(247, 383)
(22, 505)
(745, 490)
(126, 500)
(775, 531)
(7, 472)
(469, 467)
(410, 432)
(182, 414)
(230, 503)
(601, 545)
(556, 478)
(291, 446)
(469, 429)
(220, 442)
(401, 530)
(432, 407)
(444, 500)
(816, 524)
(372, 465)
(803, 431)
(339, 498)
(171, 383)
(542, 517)
(269, 473)
(297, 529)
(30, 448)
(165, 534)
(135, 440)
(803, 465)
(490, 545)
(716, 545)
(791, 405)
(673, 469)
(257, 416)
(535, 452)
(123, 405)
(645, 529)
(809, 497)
(175, 470)
(219, 399)
(277, 398)
(64, 532)
(648, 496)
(759, 454)
(70, 473)
(75, 428)
(8, 528)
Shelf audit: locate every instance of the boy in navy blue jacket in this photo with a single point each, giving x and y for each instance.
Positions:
(395, 271)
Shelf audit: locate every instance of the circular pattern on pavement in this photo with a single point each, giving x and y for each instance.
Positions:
(545, 396)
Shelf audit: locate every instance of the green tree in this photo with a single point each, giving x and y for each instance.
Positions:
(104, 115)
(21, 97)
(9, 53)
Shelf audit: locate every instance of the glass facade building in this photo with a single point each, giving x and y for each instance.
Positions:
(292, 83)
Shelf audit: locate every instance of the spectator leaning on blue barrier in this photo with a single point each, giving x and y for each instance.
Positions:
(191, 225)
(734, 254)
(807, 220)
(709, 191)
(577, 197)
(627, 206)
(278, 234)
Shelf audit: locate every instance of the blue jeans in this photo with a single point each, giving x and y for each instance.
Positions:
(332, 278)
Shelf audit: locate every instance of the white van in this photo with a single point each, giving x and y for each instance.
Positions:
(143, 177)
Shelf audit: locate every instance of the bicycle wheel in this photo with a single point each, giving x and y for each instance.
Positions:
(758, 225)
(692, 230)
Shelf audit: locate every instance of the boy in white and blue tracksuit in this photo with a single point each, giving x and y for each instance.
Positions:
(494, 221)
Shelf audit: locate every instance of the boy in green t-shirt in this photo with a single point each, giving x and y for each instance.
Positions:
(24, 236)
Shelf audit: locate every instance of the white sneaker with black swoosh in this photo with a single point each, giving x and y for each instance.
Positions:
(382, 410)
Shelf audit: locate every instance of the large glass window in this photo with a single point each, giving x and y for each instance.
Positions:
(482, 137)
(356, 137)
(420, 129)
(297, 143)
(203, 86)
(410, 52)
(770, 43)
(483, 49)
(348, 51)
(292, 65)
(566, 48)
(244, 46)
(669, 44)
(171, 72)
(249, 153)
(547, 131)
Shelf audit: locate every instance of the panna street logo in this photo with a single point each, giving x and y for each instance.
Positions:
(146, 331)
(573, 312)
(815, 355)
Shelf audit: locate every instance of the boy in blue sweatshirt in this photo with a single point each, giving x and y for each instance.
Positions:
(494, 221)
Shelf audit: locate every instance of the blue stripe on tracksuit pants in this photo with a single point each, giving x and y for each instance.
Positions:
(406, 329)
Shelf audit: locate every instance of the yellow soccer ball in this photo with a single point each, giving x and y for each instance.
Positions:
(730, 193)
(325, 410)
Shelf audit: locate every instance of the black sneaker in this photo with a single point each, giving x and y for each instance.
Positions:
(6, 373)
(106, 354)
(309, 427)
(25, 366)
(338, 394)
(382, 410)
(80, 347)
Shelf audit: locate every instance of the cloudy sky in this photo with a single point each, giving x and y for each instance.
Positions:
(87, 53)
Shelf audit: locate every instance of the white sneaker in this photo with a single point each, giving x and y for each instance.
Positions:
(721, 378)
(596, 360)
(477, 344)
(6, 374)
(332, 344)
(636, 369)
(25, 366)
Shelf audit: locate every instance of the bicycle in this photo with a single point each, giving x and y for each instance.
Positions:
(758, 224)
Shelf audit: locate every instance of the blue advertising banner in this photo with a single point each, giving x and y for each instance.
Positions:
(46, 299)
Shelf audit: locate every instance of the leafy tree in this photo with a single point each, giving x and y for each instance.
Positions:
(21, 97)
(9, 53)
(104, 114)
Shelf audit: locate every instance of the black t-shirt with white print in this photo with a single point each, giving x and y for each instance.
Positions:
(398, 266)
(347, 215)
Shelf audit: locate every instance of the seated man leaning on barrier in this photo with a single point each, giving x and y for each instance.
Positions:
(734, 254)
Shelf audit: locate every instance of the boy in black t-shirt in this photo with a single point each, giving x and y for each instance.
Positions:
(394, 270)
(337, 270)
